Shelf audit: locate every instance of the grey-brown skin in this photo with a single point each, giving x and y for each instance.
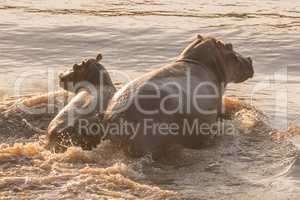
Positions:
(202, 58)
(93, 88)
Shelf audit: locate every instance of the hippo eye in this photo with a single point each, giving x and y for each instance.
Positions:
(229, 46)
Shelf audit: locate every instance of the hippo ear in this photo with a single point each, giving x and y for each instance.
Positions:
(200, 37)
(229, 46)
(83, 63)
(99, 57)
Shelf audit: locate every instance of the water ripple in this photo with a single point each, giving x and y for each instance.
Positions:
(130, 12)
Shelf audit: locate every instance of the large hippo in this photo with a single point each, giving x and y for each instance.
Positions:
(160, 107)
(93, 89)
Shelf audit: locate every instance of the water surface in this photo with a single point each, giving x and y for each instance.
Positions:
(39, 39)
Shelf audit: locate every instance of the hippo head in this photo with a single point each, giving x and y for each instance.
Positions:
(234, 67)
(65, 129)
(88, 73)
(237, 67)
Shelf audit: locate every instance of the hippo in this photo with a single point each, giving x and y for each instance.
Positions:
(161, 106)
(93, 89)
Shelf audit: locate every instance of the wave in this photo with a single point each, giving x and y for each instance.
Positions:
(249, 161)
(131, 12)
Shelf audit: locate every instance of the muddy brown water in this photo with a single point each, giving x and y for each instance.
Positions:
(39, 39)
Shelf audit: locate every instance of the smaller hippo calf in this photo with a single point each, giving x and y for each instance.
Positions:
(93, 88)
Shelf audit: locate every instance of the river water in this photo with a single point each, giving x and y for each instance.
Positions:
(39, 39)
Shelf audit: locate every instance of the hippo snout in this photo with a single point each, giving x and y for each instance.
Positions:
(250, 68)
(249, 60)
(61, 76)
(67, 76)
